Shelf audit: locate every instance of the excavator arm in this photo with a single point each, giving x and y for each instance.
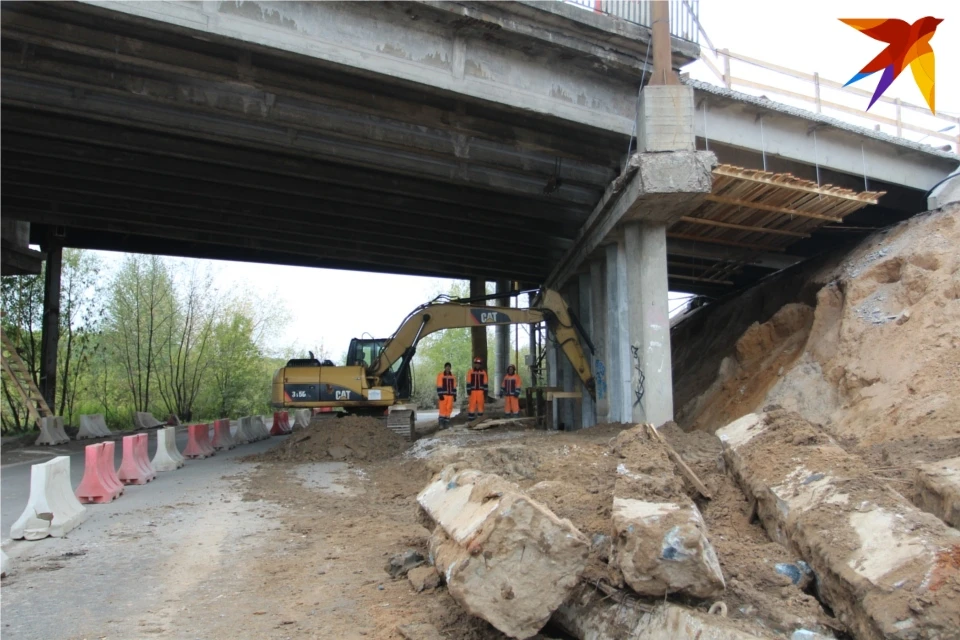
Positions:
(432, 317)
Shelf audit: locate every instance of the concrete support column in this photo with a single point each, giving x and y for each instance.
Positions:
(598, 327)
(553, 376)
(534, 347)
(501, 345)
(651, 371)
(613, 347)
(51, 325)
(569, 380)
(588, 408)
(478, 335)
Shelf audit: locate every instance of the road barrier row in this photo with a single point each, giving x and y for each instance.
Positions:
(54, 508)
(281, 424)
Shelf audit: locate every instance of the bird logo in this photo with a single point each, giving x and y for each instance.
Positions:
(908, 44)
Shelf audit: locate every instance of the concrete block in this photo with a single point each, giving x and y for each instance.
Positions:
(94, 487)
(669, 185)
(167, 456)
(52, 509)
(937, 490)
(50, 433)
(665, 119)
(887, 569)
(505, 557)
(660, 540)
(93, 426)
(145, 420)
(423, 578)
(591, 615)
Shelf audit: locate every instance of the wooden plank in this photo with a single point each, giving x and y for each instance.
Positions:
(489, 423)
(699, 279)
(763, 177)
(728, 225)
(684, 469)
(775, 209)
(559, 395)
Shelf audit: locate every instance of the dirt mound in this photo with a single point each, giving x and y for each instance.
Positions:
(873, 358)
(349, 438)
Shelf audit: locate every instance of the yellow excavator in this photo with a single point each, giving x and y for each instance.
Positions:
(376, 379)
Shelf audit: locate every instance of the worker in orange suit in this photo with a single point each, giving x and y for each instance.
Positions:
(447, 393)
(477, 389)
(510, 389)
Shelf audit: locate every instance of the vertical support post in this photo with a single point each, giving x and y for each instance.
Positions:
(651, 375)
(501, 345)
(553, 377)
(612, 342)
(727, 82)
(588, 408)
(50, 337)
(534, 352)
(663, 72)
(623, 334)
(816, 91)
(598, 316)
(478, 335)
(899, 120)
(568, 380)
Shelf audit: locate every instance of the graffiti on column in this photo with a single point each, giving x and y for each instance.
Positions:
(600, 378)
(638, 389)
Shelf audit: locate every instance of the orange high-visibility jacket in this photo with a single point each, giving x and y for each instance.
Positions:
(446, 384)
(511, 385)
(476, 380)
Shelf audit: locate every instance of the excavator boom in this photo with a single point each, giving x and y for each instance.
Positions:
(438, 316)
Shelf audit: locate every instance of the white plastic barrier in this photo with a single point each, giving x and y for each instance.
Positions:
(52, 509)
(145, 420)
(260, 428)
(301, 418)
(51, 431)
(93, 426)
(167, 457)
(239, 433)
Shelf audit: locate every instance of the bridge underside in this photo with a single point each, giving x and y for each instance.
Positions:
(133, 135)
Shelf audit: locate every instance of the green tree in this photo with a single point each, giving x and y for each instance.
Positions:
(140, 310)
(81, 316)
(21, 298)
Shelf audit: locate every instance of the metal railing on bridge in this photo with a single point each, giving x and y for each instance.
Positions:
(683, 15)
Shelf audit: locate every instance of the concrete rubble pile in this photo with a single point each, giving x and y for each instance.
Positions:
(507, 558)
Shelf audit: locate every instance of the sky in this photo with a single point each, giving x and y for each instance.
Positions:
(330, 307)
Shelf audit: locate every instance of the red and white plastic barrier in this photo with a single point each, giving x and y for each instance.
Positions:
(222, 439)
(52, 509)
(281, 424)
(108, 470)
(51, 431)
(198, 442)
(94, 487)
(167, 456)
(93, 426)
(132, 469)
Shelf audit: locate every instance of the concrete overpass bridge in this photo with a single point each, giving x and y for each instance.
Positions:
(457, 139)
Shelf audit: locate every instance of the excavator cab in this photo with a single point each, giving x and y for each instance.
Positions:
(366, 351)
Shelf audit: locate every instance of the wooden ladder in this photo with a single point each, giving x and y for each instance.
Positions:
(22, 381)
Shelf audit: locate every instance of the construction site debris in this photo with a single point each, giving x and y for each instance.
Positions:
(423, 578)
(681, 465)
(505, 557)
(887, 569)
(488, 423)
(660, 539)
(401, 563)
(349, 438)
(420, 631)
(937, 490)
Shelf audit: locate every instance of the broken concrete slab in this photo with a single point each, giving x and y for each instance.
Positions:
(937, 490)
(506, 558)
(660, 539)
(423, 578)
(592, 615)
(887, 569)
